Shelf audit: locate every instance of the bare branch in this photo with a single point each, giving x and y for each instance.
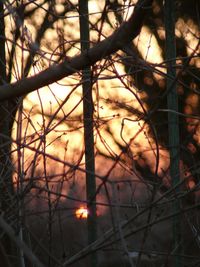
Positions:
(10, 232)
(120, 38)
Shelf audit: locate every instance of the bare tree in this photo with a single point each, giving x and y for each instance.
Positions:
(45, 59)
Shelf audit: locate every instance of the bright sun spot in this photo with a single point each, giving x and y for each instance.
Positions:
(81, 213)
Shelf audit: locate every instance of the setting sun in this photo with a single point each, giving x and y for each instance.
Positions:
(81, 213)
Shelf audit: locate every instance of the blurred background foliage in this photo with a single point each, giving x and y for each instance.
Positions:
(125, 86)
(129, 93)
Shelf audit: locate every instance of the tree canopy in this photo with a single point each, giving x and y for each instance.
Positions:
(45, 112)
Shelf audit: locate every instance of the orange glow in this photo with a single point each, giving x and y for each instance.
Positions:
(81, 213)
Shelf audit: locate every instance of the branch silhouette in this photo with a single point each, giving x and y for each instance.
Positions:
(116, 41)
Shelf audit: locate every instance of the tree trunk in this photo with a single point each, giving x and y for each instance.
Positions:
(88, 130)
(173, 126)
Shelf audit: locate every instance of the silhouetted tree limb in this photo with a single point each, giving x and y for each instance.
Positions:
(10, 232)
(120, 38)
